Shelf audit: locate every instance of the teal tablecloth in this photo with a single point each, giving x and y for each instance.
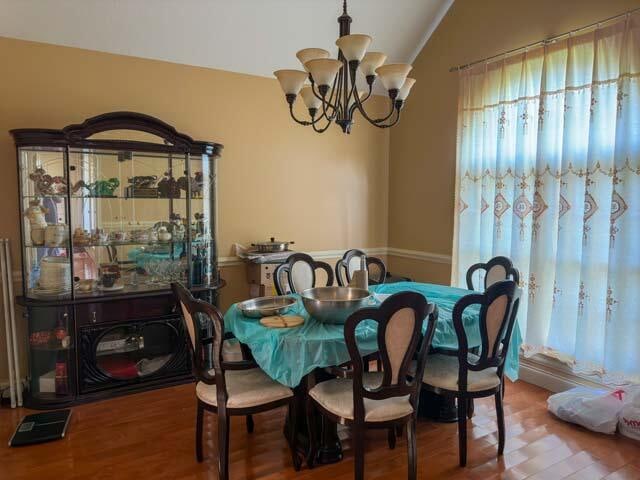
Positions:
(287, 355)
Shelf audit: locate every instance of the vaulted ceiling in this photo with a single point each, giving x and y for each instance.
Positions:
(247, 36)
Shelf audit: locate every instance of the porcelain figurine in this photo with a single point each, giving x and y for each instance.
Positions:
(178, 229)
(46, 184)
(99, 188)
(143, 181)
(81, 237)
(196, 184)
(37, 221)
(168, 187)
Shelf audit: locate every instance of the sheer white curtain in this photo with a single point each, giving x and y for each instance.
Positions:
(548, 174)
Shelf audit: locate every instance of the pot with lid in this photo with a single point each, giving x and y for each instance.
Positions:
(272, 246)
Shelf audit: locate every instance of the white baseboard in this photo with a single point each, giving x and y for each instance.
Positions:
(552, 375)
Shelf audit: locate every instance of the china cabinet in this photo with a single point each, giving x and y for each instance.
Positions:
(113, 210)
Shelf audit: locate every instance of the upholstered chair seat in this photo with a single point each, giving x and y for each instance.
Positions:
(336, 396)
(245, 388)
(441, 371)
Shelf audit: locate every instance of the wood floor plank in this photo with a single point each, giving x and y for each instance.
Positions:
(151, 436)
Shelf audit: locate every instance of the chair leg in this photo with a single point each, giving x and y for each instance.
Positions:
(250, 425)
(462, 430)
(223, 445)
(293, 433)
(503, 389)
(470, 408)
(313, 433)
(412, 449)
(391, 437)
(358, 450)
(199, 421)
(500, 418)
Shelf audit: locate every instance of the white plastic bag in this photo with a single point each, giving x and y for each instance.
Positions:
(594, 409)
(629, 418)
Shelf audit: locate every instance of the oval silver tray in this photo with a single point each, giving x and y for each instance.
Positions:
(266, 306)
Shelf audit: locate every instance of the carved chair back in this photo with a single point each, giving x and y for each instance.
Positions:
(399, 319)
(350, 262)
(496, 269)
(498, 308)
(298, 273)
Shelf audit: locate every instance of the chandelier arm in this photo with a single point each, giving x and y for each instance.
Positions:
(323, 129)
(358, 102)
(302, 122)
(353, 107)
(378, 122)
(317, 93)
(389, 125)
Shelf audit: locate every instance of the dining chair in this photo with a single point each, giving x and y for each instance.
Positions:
(468, 376)
(383, 399)
(496, 269)
(226, 388)
(298, 272)
(350, 262)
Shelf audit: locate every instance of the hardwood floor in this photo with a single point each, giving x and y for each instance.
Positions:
(151, 436)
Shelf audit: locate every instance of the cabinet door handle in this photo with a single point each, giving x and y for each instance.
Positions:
(93, 317)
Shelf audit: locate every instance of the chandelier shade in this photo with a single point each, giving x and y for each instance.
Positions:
(370, 62)
(354, 47)
(307, 54)
(393, 75)
(291, 81)
(323, 70)
(403, 93)
(310, 99)
(335, 93)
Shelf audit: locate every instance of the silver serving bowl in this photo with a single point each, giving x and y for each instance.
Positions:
(266, 306)
(334, 304)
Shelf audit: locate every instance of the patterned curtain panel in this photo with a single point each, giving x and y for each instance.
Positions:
(548, 174)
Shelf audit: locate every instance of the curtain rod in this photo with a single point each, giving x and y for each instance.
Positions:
(542, 42)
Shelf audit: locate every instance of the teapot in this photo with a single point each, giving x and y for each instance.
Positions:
(163, 234)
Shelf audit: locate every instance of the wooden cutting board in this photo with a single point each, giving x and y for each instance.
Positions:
(282, 321)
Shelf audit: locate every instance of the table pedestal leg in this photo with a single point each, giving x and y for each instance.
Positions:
(437, 407)
(329, 447)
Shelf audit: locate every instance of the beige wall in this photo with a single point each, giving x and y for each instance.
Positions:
(326, 191)
(423, 146)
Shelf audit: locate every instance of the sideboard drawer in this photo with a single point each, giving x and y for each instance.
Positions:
(123, 310)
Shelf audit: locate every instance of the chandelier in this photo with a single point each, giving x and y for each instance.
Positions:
(332, 94)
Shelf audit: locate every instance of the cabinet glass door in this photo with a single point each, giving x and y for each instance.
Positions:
(129, 352)
(204, 264)
(45, 223)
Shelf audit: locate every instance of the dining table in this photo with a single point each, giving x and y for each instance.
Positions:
(299, 356)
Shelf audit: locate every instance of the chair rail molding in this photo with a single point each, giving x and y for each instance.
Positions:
(385, 251)
(419, 255)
